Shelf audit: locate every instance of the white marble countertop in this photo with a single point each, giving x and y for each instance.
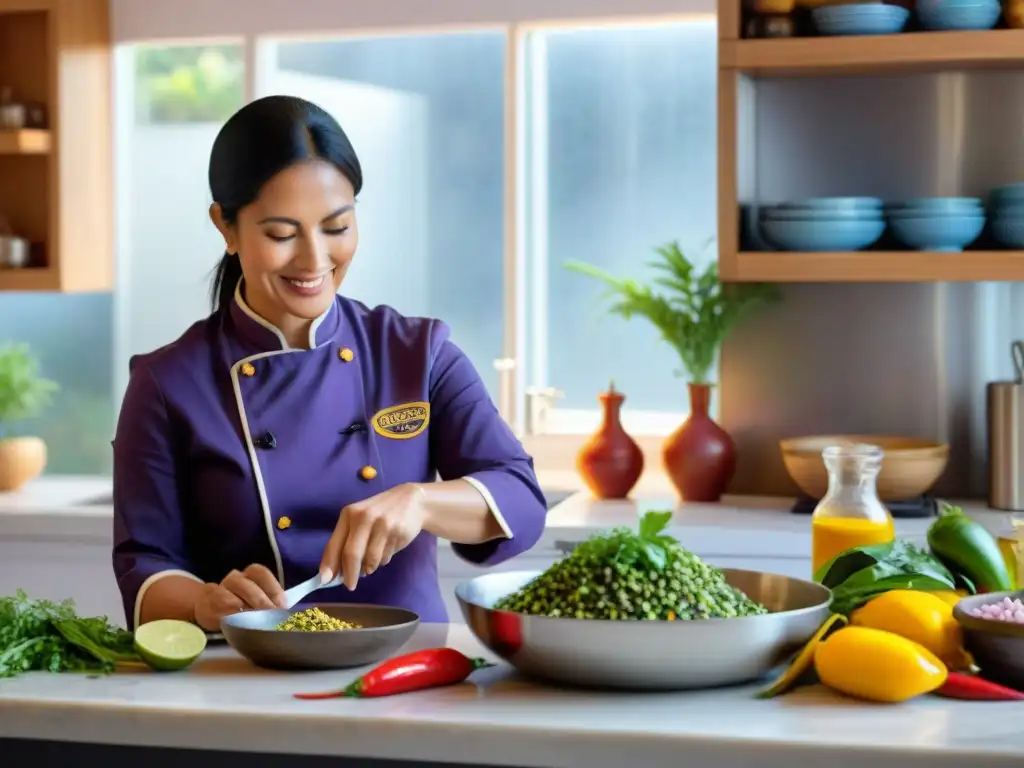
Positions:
(69, 506)
(223, 703)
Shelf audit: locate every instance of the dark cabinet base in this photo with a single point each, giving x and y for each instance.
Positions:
(57, 754)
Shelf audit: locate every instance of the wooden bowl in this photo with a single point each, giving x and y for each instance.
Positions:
(21, 459)
(911, 465)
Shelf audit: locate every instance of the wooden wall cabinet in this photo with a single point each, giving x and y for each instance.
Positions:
(56, 181)
(743, 63)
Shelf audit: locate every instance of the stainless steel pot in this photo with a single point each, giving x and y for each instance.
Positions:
(649, 655)
(1004, 401)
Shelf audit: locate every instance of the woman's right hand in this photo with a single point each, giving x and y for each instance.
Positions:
(255, 588)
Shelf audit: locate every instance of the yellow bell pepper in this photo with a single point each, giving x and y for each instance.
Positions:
(877, 666)
(950, 597)
(919, 616)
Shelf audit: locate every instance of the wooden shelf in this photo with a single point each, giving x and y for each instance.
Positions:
(27, 141)
(882, 54)
(56, 187)
(29, 279)
(878, 267)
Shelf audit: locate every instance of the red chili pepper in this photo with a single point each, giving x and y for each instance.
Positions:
(973, 688)
(413, 672)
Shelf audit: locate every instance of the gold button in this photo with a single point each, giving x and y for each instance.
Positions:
(367, 473)
(346, 354)
(248, 369)
(284, 522)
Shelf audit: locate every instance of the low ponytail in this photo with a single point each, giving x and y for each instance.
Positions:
(225, 280)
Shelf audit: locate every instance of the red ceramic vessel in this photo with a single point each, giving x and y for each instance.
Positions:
(700, 457)
(610, 462)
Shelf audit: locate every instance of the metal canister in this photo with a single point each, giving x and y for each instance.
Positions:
(1005, 411)
(14, 252)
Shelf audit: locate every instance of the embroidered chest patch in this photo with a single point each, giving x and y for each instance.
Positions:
(400, 422)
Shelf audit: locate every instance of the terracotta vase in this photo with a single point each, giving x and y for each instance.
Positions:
(610, 462)
(699, 457)
(21, 459)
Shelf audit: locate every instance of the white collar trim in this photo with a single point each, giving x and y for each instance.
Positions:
(273, 328)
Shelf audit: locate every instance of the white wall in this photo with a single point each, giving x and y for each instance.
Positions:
(144, 20)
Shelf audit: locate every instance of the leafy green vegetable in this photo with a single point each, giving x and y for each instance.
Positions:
(861, 573)
(39, 635)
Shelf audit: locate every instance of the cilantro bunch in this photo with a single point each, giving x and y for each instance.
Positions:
(40, 635)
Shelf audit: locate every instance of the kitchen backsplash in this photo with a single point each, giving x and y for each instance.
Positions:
(903, 359)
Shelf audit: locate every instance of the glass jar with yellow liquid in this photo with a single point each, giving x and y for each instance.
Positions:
(851, 514)
(1011, 545)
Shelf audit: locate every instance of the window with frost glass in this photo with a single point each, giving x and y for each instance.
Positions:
(620, 158)
(171, 100)
(425, 113)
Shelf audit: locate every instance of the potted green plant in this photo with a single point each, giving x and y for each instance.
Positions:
(694, 312)
(23, 394)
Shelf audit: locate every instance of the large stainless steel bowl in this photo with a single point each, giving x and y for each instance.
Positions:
(254, 634)
(648, 655)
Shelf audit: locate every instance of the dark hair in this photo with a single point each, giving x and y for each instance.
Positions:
(259, 141)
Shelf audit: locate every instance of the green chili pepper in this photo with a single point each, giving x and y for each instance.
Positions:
(964, 545)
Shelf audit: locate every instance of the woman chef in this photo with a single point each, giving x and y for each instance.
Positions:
(296, 431)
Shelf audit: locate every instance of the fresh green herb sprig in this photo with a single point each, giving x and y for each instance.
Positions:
(646, 547)
(40, 635)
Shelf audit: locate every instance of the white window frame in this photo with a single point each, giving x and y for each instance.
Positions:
(198, 21)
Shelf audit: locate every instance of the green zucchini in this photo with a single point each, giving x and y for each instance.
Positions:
(965, 547)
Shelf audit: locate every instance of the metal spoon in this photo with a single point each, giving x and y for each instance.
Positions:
(1017, 355)
(296, 594)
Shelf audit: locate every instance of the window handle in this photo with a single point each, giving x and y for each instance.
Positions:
(506, 368)
(539, 402)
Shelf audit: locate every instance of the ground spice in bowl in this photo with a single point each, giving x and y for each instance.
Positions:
(314, 620)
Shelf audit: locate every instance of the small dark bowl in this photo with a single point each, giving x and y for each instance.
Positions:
(997, 646)
(255, 636)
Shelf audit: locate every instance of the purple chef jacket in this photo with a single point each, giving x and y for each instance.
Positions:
(233, 448)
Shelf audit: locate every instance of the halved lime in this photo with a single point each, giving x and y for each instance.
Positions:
(168, 645)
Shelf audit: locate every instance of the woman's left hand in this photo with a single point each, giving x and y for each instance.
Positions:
(371, 531)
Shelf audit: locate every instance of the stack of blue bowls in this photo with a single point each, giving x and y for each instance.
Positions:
(958, 15)
(823, 224)
(860, 19)
(1006, 207)
(946, 224)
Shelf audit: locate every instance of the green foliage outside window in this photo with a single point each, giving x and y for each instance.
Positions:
(188, 83)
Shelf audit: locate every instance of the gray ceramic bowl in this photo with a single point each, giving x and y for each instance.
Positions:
(649, 655)
(254, 635)
(997, 646)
